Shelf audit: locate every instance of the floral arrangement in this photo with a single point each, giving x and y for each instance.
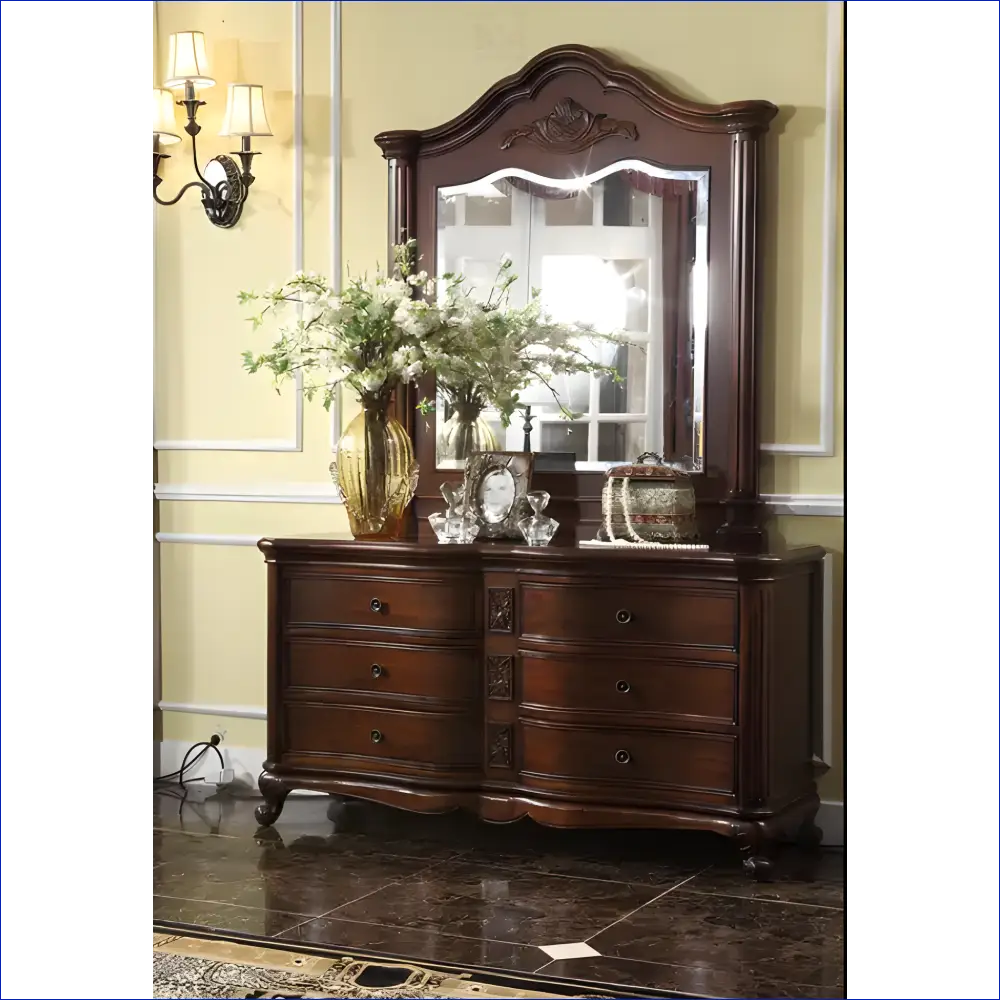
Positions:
(374, 335)
(371, 336)
(486, 353)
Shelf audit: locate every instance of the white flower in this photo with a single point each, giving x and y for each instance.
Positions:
(506, 260)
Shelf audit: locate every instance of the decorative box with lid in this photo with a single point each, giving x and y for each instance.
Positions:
(648, 501)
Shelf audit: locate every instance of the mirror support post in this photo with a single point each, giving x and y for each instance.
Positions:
(400, 150)
(744, 528)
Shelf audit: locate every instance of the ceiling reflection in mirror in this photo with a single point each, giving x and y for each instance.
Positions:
(624, 250)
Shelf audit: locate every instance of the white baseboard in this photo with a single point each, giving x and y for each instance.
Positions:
(830, 819)
(247, 763)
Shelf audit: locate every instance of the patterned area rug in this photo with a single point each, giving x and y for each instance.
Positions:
(193, 967)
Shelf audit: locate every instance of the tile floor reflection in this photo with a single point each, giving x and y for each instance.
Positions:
(638, 909)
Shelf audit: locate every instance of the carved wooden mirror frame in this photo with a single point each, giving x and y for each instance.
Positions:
(618, 113)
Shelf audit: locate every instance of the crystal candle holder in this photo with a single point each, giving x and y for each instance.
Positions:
(539, 528)
(456, 526)
(454, 529)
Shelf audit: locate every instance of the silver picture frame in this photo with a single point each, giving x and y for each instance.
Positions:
(496, 488)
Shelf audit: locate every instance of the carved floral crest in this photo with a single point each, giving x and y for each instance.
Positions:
(570, 128)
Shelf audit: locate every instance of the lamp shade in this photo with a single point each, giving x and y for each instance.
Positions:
(245, 114)
(164, 120)
(187, 60)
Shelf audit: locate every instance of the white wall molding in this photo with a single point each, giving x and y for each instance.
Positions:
(250, 492)
(828, 295)
(219, 711)
(298, 258)
(809, 504)
(815, 505)
(336, 195)
(187, 538)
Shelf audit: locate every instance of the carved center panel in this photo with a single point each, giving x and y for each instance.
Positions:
(501, 610)
(570, 128)
(499, 746)
(499, 677)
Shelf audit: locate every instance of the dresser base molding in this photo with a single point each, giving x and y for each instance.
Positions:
(757, 839)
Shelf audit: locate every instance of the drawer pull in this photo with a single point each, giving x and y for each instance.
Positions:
(623, 617)
(622, 756)
(376, 671)
(623, 686)
(377, 737)
(375, 605)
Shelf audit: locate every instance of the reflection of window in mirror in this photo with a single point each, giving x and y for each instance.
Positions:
(598, 251)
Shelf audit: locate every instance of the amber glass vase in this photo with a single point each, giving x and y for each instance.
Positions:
(375, 471)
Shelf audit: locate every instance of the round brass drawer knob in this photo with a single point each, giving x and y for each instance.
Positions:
(623, 686)
(377, 671)
(375, 605)
(623, 617)
(377, 737)
(622, 756)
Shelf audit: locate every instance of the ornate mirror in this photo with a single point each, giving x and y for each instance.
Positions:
(630, 209)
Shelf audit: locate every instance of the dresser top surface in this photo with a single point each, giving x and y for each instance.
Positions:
(336, 546)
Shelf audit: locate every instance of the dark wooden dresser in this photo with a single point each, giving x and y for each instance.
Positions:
(579, 687)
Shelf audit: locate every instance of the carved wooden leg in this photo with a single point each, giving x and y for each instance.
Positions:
(809, 835)
(757, 841)
(275, 791)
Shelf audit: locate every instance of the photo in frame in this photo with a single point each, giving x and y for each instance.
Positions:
(495, 488)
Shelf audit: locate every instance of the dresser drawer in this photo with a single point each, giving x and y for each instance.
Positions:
(383, 602)
(360, 738)
(444, 674)
(703, 691)
(654, 615)
(693, 761)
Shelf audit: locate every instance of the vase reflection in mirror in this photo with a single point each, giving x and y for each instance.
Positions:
(456, 526)
(539, 529)
(465, 432)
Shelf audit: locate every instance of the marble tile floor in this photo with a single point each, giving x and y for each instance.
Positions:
(629, 909)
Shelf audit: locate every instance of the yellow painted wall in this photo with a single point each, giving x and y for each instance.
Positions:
(213, 597)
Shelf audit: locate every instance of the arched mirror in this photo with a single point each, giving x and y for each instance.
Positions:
(631, 210)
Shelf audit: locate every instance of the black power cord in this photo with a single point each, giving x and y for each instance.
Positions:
(211, 744)
(204, 746)
(180, 771)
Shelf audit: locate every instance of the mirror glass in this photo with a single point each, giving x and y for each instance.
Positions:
(496, 495)
(624, 249)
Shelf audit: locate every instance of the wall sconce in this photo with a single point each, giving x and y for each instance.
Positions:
(224, 186)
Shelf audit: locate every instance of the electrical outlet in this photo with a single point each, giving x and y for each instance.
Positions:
(227, 776)
(198, 791)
